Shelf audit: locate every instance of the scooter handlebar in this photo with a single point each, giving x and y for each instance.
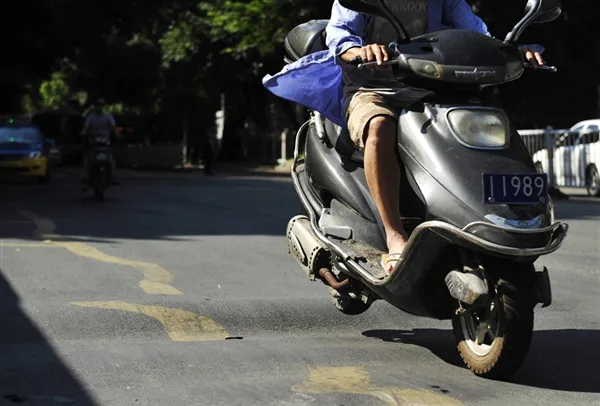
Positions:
(548, 68)
(358, 62)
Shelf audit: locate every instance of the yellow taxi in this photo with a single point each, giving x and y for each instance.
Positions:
(24, 152)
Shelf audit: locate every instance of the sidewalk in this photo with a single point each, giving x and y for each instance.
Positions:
(579, 195)
(575, 192)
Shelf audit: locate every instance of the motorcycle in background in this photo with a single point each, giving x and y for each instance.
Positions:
(100, 174)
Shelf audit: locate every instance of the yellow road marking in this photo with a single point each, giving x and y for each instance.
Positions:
(156, 279)
(356, 381)
(181, 325)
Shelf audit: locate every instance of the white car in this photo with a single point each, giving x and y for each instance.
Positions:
(587, 155)
(576, 157)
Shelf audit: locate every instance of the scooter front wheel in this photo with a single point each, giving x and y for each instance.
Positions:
(493, 341)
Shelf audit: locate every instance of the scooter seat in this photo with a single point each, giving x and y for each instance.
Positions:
(343, 144)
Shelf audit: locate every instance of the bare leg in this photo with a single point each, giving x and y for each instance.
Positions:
(383, 177)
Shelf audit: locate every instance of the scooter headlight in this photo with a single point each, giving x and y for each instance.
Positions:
(35, 154)
(478, 128)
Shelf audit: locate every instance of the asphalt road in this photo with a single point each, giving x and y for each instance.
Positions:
(178, 290)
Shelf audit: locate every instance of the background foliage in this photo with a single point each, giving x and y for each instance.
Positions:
(167, 63)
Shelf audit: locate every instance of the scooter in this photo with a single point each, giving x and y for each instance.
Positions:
(100, 169)
(471, 198)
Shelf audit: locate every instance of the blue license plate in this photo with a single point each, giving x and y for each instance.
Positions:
(515, 188)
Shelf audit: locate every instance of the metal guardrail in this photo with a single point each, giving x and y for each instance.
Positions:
(570, 158)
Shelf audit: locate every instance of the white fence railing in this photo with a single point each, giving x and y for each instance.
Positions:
(570, 158)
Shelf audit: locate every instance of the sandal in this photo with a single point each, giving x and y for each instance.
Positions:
(387, 259)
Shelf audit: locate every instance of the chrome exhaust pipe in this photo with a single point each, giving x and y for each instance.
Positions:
(304, 246)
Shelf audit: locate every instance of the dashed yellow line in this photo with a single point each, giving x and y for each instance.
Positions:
(156, 279)
(180, 325)
(356, 381)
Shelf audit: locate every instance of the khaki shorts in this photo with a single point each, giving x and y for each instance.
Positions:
(363, 107)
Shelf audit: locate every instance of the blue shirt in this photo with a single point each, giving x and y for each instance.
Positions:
(315, 80)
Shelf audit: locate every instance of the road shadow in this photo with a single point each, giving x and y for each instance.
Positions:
(223, 169)
(175, 206)
(580, 209)
(565, 360)
(439, 342)
(31, 370)
(161, 206)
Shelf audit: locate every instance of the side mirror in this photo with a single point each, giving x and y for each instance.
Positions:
(548, 14)
(536, 11)
(545, 6)
(533, 5)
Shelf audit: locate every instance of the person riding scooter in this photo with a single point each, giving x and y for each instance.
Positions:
(477, 212)
(98, 124)
(372, 98)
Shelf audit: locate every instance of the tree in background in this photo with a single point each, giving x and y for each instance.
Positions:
(171, 61)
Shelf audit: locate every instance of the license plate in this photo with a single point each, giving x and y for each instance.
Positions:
(515, 188)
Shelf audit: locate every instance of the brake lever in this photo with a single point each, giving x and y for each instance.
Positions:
(548, 68)
(372, 64)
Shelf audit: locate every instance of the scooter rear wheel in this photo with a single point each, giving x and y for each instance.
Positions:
(493, 341)
(348, 305)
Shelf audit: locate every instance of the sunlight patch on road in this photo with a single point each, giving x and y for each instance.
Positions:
(356, 381)
(156, 279)
(180, 325)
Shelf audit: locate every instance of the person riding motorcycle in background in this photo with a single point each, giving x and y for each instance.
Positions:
(98, 124)
(368, 102)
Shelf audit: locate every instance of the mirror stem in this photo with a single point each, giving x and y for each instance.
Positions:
(514, 35)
